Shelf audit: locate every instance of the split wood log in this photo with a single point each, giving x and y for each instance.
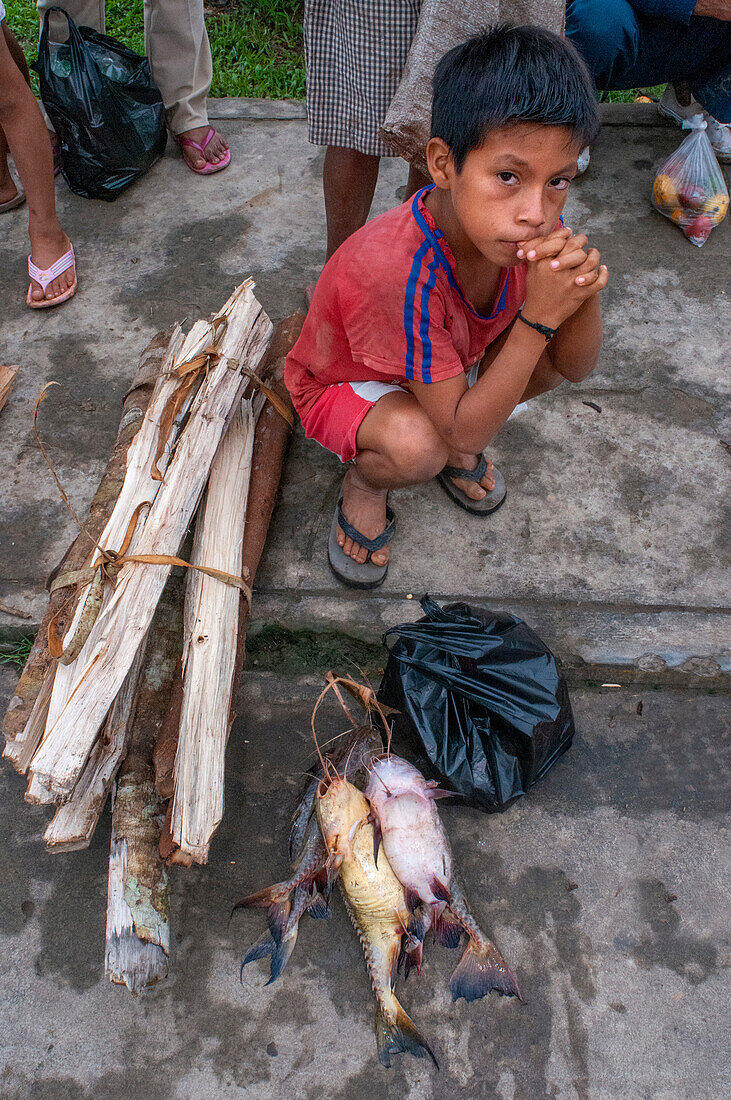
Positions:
(209, 647)
(75, 820)
(138, 931)
(128, 960)
(40, 665)
(150, 450)
(123, 624)
(270, 444)
(7, 377)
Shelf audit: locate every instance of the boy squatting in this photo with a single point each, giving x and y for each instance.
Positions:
(432, 322)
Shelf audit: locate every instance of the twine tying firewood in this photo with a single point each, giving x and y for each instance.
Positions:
(112, 561)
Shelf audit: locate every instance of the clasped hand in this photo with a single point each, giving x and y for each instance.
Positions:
(562, 274)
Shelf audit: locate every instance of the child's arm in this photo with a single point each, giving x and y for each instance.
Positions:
(468, 418)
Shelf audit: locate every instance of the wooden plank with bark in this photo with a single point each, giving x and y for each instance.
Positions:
(7, 377)
(40, 665)
(209, 649)
(124, 623)
(138, 904)
(270, 444)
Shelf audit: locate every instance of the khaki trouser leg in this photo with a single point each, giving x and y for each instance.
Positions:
(85, 13)
(180, 59)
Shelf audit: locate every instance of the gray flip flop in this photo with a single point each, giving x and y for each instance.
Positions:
(489, 503)
(353, 573)
(12, 204)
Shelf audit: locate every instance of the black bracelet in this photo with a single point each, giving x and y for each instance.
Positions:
(546, 332)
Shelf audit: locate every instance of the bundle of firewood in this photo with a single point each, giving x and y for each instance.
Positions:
(129, 685)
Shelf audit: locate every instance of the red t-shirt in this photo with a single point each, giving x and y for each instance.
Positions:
(388, 307)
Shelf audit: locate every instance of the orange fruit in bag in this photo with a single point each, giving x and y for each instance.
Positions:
(665, 192)
(715, 207)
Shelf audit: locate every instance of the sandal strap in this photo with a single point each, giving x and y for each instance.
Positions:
(45, 277)
(371, 545)
(194, 144)
(468, 475)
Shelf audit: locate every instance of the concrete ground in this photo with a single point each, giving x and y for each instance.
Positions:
(611, 542)
(605, 889)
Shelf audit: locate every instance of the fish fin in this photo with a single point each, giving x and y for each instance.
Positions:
(318, 907)
(446, 929)
(439, 792)
(374, 820)
(439, 890)
(481, 969)
(413, 959)
(271, 896)
(399, 1035)
(277, 917)
(413, 901)
(278, 954)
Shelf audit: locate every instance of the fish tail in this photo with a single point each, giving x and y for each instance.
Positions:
(278, 908)
(318, 907)
(446, 929)
(397, 1034)
(481, 969)
(278, 953)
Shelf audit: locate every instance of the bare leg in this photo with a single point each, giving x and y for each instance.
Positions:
(349, 180)
(8, 190)
(397, 446)
(27, 139)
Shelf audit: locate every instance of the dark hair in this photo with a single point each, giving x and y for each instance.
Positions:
(511, 74)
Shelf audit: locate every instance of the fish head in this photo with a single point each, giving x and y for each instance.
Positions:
(341, 808)
(391, 775)
(362, 745)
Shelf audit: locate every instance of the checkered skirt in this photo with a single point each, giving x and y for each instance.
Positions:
(355, 52)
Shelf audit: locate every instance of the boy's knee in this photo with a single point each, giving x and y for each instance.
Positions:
(417, 449)
(576, 372)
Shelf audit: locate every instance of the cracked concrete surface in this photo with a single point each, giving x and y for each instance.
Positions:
(604, 887)
(613, 539)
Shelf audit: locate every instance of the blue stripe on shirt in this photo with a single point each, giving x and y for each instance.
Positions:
(409, 301)
(424, 324)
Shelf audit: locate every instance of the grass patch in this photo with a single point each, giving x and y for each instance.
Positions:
(256, 46)
(276, 649)
(17, 654)
(631, 94)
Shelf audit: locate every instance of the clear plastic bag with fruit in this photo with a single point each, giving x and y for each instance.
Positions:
(690, 188)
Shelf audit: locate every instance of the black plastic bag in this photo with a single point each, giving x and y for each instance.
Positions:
(482, 695)
(106, 110)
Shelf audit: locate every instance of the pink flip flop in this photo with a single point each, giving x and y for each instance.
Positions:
(208, 168)
(45, 277)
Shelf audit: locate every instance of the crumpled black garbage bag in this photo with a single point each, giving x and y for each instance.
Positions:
(106, 110)
(483, 697)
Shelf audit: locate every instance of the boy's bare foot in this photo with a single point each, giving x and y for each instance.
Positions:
(46, 248)
(475, 490)
(365, 509)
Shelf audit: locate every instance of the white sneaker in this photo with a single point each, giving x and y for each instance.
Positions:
(582, 161)
(720, 136)
(670, 107)
(719, 133)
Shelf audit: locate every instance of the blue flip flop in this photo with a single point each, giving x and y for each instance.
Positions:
(489, 503)
(358, 574)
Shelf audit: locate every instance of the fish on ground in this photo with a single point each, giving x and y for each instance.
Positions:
(376, 904)
(406, 821)
(308, 888)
